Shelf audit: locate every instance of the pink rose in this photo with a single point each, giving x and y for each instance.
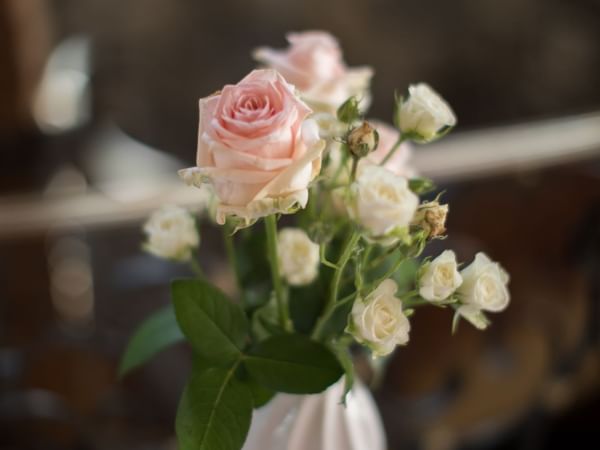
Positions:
(255, 148)
(399, 163)
(313, 63)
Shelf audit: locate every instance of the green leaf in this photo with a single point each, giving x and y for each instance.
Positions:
(252, 270)
(214, 411)
(349, 112)
(306, 303)
(265, 320)
(260, 394)
(156, 332)
(215, 327)
(421, 185)
(293, 363)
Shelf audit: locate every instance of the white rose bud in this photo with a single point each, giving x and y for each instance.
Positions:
(424, 115)
(298, 256)
(484, 285)
(378, 321)
(431, 217)
(440, 278)
(382, 203)
(171, 233)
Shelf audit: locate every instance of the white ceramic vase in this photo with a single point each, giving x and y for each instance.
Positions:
(318, 422)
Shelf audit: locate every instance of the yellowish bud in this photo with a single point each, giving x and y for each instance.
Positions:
(363, 140)
(431, 217)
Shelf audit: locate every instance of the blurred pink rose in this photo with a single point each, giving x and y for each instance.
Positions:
(399, 163)
(255, 148)
(313, 63)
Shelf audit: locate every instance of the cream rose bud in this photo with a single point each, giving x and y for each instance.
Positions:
(313, 63)
(381, 202)
(440, 278)
(484, 285)
(256, 148)
(298, 256)
(171, 233)
(378, 321)
(424, 115)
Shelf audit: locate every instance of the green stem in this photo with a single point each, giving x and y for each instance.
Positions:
(271, 228)
(380, 259)
(354, 167)
(359, 272)
(393, 150)
(335, 284)
(340, 168)
(231, 255)
(389, 272)
(323, 258)
(366, 255)
(195, 266)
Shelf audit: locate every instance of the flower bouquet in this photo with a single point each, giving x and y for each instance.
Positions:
(289, 144)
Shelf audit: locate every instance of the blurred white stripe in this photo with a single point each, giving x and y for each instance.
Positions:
(459, 156)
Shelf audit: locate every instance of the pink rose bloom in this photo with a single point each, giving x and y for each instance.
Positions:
(313, 63)
(255, 148)
(399, 163)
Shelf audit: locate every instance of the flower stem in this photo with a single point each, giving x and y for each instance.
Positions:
(354, 167)
(393, 150)
(195, 266)
(271, 228)
(389, 272)
(323, 258)
(231, 256)
(335, 284)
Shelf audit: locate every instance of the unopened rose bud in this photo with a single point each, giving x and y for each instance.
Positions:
(363, 140)
(431, 217)
(424, 116)
(348, 112)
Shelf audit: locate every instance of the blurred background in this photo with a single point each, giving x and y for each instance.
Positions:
(98, 108)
